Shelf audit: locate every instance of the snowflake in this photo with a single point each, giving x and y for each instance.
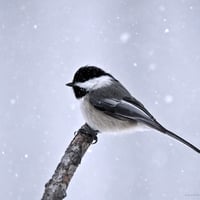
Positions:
(124, 37)
(152, 67)
(166, 30)
(35, 26)
(12, 101)
(25, 155)
(168, 99)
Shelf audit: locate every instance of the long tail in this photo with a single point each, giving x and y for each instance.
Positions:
(180, 139)
(156, 125)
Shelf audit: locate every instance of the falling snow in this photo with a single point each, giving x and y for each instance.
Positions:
(152, 47)
(191, 7)
(124, 37)
(25, 155)
(35, 26)
(135, 64)
(168, 99)
(12, 101)
(182, 170)
(156, 102)
(162, 8)
(164, 20)
(152, 67)
(166, 30)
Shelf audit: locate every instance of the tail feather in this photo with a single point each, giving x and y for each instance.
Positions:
(180, 139)
(156, 125)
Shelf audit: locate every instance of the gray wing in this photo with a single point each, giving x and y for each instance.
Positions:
(125, 109)
(129, 108)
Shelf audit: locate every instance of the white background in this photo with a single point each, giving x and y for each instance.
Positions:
(152, 47)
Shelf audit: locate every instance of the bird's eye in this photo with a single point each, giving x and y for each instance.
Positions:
(79, 92)
(82, 89)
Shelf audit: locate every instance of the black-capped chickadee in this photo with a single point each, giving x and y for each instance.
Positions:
(108, 106)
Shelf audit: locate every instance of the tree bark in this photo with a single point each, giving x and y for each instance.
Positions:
(55, 188)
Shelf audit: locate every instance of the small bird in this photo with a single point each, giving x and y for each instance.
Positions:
(108, 106)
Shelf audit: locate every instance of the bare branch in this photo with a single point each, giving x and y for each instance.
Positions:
(56, 187)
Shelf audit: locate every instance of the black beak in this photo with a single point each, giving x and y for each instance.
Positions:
(69, 84)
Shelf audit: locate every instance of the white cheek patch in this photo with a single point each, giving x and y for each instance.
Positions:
(96, 83)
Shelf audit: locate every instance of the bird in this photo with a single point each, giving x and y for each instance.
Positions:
(107, 106)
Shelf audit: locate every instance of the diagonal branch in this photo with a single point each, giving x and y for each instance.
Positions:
(56, 187)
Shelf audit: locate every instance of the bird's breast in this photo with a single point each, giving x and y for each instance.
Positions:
(102, 122)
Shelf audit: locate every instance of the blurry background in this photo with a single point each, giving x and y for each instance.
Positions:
(152, 47)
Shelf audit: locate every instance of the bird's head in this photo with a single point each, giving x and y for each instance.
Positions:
(89, 78)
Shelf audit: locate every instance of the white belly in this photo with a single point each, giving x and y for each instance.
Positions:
(100, 121)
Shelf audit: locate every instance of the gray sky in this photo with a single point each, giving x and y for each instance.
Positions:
(152, 47)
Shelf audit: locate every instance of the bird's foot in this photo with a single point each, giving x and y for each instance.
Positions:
(86, 129)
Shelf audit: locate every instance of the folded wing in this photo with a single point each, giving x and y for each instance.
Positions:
(129, 108)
